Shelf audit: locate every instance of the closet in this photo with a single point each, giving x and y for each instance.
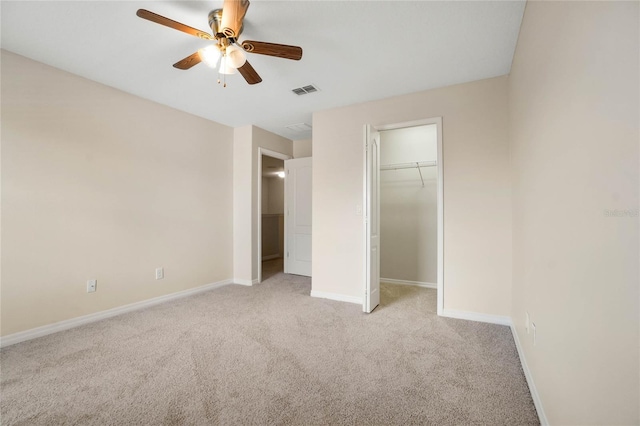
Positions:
(408, 206)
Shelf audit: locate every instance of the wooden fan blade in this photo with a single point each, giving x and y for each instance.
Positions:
(273, 49)
(188, 62)
(233, 12)
(249, 73)
(158, 19)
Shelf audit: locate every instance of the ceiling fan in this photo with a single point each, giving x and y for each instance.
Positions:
(226, 24)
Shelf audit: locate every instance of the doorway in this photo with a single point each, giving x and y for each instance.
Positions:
(271, 222)
(404, 208)
(284, 212)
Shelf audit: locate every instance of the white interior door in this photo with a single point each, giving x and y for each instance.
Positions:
(372, 219)
(298, 216)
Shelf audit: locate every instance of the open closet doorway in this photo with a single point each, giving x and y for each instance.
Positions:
(272, 224)
(404, 213)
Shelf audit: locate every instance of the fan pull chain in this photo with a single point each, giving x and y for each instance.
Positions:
(224, 79)
(224, 76)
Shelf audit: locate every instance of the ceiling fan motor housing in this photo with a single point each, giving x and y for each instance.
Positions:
(215, 21)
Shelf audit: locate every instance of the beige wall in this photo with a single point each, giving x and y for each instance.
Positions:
(247, 140)
(302, 148)
(242, 216)
(97, 183)
(477, 206)
(265, 195)
(574, 136)
(271, 235)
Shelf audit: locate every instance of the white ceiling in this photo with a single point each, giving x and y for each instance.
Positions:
(354, 51)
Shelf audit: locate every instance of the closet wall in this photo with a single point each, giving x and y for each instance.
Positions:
(408, 210)
(272, 195)
(272, 217)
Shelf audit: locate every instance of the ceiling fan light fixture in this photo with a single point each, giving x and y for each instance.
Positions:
(225, 66)
(227, 24)
(210, 55)
(236, 56)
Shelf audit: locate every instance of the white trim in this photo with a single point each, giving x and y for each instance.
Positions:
(527, 374)
(476, 316)
(45, 330)
(336, 296)
(270, 257)
(274, 154)
(285, 253)
(440, 206)
(259, 259)
(248, 283)
(363, 212)
(406, 282)
(407, 124)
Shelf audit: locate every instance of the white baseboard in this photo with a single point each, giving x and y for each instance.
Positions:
(527, 374)
(336, 296)
(406, 282)
(475, 316)
(241, 281)
(44, 330)
(270, 257)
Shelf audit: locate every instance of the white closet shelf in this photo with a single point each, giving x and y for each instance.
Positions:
(415, 165)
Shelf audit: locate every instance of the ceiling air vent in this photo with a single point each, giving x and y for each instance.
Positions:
(300, 127)
(305, 90)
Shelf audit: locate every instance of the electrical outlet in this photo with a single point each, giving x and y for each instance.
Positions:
(159, 273)
(92, 285)
(526, 323)
(533, 329)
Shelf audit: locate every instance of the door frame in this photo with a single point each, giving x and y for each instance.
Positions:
(279, 156)
(440, 208)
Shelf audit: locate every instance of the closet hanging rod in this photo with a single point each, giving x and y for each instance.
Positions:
(415, 165)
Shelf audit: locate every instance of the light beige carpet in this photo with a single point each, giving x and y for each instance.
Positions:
(270, 354)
